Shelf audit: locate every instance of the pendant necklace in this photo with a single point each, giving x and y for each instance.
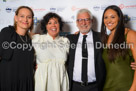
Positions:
(25, 41)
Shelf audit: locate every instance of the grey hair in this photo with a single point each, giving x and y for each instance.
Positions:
(84, 11)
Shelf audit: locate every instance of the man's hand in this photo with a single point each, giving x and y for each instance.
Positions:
(133, 65)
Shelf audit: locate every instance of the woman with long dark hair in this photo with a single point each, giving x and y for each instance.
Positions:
(119, 50)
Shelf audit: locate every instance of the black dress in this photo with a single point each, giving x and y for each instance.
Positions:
(16, 63)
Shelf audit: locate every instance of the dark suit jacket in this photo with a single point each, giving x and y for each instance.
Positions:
(99, 63)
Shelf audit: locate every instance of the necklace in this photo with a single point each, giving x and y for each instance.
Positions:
(22, 39)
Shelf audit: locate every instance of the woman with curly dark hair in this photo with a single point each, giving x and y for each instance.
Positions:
(119, 51)
(51, 55)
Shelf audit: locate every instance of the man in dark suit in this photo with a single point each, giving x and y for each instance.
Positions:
(86, 68)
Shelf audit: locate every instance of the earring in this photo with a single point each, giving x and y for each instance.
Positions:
(108, 32)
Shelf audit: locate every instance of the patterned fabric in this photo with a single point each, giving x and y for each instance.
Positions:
(51, 56)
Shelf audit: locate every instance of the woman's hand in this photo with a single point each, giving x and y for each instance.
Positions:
(76, 32)
(36, 66)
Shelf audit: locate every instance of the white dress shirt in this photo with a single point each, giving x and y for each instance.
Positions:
(77, 73)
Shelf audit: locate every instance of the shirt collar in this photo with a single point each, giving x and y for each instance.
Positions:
(50, 37)
(89, 34)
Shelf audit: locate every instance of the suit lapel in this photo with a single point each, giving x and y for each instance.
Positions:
(73, 50)
(96, 51)
(95, 39)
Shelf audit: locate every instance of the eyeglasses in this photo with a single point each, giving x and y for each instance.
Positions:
(86, 20)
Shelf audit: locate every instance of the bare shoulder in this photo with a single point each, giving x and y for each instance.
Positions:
(131, 35)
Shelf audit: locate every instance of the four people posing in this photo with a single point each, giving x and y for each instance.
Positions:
(86, 68)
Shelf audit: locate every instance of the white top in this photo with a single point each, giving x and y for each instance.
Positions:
(77, 74)
(51, 56)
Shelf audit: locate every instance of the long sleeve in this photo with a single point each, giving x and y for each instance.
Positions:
(7, 36)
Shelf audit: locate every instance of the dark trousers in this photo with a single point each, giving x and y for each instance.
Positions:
(79, 87)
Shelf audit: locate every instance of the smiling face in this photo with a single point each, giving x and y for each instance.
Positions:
(24, 19)
(53, 27)
(84, 22)
(111, 19)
